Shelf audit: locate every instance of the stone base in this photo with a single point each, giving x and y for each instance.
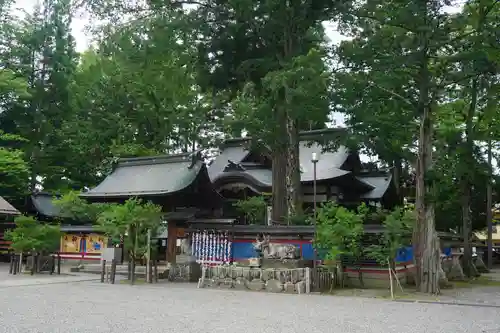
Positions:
(194, 272)
(283, 263)
(256, 279)
(187, 272)
(480, 265)
(453, 270)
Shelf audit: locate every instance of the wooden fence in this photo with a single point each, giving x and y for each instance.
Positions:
(322, 279)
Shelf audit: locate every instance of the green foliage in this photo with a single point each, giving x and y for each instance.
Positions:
(339, 231)
(161, 78)
(73, 207)
(30, 235)
(11, 87)
(254, 209)
(301, 87)
(398, 229)
(267, 58)
(145, 101)
(300, 219)
(39, 51)
(14, 171)
(132, 219)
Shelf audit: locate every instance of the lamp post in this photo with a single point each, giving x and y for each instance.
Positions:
(314, 160)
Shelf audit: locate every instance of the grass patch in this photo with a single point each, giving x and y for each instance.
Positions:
(136, 281)
(413, 295)
(479, 281)
(409, 293)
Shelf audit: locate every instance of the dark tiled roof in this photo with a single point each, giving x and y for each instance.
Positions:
(328, 165)
(7, 209)
(78, 228)
(380, 184)
(44, 205)
(150, 176)
(260, 178)
(184, 214)
(230, 153)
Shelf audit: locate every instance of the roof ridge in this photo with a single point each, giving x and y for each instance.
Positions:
(374, 173)
(45, 194)
(7, 208)
(232, 141)
(160, 159)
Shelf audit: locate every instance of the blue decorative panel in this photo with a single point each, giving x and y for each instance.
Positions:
(245, 250)
(242, 251)
(307, 251)
(405, 254)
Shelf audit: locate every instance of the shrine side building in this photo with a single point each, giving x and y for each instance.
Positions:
(197, 198)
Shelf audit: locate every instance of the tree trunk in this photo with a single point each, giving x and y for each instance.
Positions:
(293, 193)
(489, 206)
(427, 253)
(133, 236)
(279, 203)
(465, 202)
(467, 165)
(427, 260)
(279, 169)
(397, 172)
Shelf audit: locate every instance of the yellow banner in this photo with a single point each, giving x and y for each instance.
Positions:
(95, 243)
(70, 243)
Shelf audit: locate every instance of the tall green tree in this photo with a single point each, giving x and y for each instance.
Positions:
(406, 51)
(260, 68)
(268, 54)
(14, 171)
(43, 55)
(144, 98)
(13, 88)
(466, 115)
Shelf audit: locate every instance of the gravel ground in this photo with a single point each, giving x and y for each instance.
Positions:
(93, 307)
(477, 295)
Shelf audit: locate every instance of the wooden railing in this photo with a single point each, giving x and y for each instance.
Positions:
(322, 279)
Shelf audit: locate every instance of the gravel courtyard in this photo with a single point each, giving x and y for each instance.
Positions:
(89, 306)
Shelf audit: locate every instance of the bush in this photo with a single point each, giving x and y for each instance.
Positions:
(30, 235)
(254, 209)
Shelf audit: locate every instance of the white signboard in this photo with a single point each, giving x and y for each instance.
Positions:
(111, 253)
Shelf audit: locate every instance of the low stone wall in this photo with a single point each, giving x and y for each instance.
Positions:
(182, 272)
(275, 280)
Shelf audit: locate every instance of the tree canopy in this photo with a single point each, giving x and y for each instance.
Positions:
(418, 85)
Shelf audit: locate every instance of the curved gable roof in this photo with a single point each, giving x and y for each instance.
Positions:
(329, 163)
(328, 166)
(380, 184)
(44, 205)
(234, 154)
(144, 176)
(7, 209)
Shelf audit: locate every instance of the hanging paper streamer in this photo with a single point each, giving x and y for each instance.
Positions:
(194, 245)
(209, 247)
(212, 247)
(228, 248)
(204, 256)
(220, 246)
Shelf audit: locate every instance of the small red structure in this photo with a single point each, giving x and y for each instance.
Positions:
(7, 214)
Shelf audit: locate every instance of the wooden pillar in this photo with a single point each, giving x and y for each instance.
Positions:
(171, 242)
